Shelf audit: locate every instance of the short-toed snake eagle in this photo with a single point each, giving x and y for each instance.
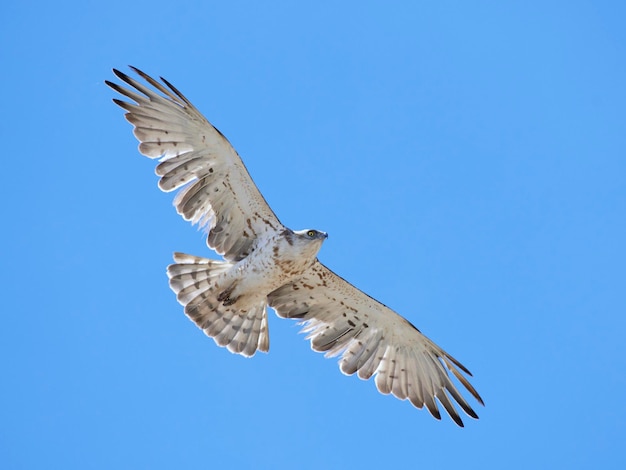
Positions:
(267, 264)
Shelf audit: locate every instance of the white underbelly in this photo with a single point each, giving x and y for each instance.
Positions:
(265, 270)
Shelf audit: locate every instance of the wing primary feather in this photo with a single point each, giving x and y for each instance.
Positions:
(130, 107)
(464, 381)
(458, 364)
(449, 407)
(181, 96)
(452, 390)
(134, 83)
(158, 86)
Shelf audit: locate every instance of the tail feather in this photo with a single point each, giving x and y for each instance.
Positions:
(193, 280)
(238, 343)
(187, 260)
(249, 332)
(264, 335)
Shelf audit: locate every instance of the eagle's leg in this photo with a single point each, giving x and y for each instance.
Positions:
(205, 289)
(225, 296)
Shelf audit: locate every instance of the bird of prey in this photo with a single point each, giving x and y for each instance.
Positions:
(267, 264)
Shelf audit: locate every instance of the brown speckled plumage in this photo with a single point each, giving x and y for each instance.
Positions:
(267, 264)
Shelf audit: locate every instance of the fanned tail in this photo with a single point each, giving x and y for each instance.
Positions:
(241, 331)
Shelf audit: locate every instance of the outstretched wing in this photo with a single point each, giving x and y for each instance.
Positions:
(217, 191)
(373, 339)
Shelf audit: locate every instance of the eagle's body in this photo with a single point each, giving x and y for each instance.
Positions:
(228, 299)
(267, 264)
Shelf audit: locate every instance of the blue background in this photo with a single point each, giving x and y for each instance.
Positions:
(466, 158)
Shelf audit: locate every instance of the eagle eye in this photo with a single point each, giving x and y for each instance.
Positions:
(311, 233)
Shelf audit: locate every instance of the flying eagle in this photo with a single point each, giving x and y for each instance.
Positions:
(267, 264)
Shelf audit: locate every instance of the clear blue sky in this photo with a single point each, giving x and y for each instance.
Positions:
(468, 160)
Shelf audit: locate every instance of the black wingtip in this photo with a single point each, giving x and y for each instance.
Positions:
(175, 90)
(116, 87)
(140, 72)
(455, 417)
(119, 74)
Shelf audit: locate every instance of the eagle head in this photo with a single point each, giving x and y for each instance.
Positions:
(310, 234)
